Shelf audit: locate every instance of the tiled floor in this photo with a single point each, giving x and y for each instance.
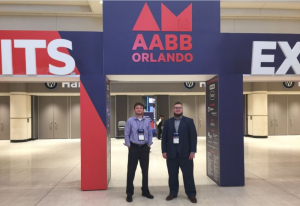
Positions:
(47, 172)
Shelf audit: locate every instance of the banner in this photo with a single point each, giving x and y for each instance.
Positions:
(212, 130)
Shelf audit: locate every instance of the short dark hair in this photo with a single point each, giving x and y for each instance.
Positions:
(138, 104)
(161, 115)
(178, 103)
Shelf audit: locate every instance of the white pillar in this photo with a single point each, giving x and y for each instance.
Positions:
(20, 113)
(258, 112)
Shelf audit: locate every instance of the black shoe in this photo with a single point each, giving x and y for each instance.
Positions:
(170, 197)
(193, 199)
(129, 198)
(148, 195)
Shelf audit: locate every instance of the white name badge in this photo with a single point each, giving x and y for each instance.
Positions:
(176, 138)
(141, 135)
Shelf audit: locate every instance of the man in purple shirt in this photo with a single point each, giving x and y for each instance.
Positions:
(138, 139)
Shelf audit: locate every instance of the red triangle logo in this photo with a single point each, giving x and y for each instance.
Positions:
(146, 21)
(170, 22)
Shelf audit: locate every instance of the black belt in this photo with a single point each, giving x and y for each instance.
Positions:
(139, 145)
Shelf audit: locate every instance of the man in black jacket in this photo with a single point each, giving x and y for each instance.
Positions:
(160, 124)
(179, 145)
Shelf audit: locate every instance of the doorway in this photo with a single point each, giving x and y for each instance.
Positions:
(59, 117)
(165, 93)
(4, 118)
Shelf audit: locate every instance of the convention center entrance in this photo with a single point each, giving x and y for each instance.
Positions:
(158, 93)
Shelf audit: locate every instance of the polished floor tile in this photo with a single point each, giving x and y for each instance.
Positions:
(47, 172)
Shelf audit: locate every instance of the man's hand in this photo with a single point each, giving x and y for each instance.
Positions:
(192, 156)
(164, 155)
(128, 147)
(149, 146)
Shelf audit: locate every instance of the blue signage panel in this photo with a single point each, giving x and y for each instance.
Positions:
(181, 37)
(246, 53)
(212, 130)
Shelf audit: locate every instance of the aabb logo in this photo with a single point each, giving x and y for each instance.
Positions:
(176, 46)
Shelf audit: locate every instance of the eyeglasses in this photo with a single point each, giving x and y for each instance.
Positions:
(177, 107)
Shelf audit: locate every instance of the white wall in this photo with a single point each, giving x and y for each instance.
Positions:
(51, 23)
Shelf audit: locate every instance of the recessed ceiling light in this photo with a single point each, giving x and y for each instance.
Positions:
(101, 2)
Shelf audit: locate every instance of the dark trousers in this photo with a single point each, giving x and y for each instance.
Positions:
(137, 153)
(159, 133)
(187, 168)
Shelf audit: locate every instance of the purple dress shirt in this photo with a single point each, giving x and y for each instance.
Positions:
(131, 131)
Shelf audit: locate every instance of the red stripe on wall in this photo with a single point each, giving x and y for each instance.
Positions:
(93, 146)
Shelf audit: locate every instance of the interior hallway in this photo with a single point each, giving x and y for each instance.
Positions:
(47, 172)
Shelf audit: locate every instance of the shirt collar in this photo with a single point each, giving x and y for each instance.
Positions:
(179, 118)
(138, 118)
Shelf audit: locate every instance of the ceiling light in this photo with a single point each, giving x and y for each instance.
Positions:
(101, 2)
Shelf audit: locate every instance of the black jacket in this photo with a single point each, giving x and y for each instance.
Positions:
(187, 138)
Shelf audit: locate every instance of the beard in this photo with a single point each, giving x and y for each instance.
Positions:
(139, 113)
(178, 115)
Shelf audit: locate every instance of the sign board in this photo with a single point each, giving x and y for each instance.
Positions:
(51, 85)
(189, 85)
(288, 85)
(212, 130)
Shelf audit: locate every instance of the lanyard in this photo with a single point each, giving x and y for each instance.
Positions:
(177, 123)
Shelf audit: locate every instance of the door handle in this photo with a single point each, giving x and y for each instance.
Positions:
(50, 126)
(276, 122)
(200, 123)
(292, 122)
(272, 122)
(55, 125)
(2, 126)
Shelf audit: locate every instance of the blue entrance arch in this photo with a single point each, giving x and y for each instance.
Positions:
(155, 38)
(180, 37)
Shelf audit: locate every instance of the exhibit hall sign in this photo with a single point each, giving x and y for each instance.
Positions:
(258, 58)
(35, 53)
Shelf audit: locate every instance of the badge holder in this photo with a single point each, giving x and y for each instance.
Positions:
(141, 135)
(175, 138)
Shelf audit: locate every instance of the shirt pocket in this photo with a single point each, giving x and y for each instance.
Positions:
(134, 127)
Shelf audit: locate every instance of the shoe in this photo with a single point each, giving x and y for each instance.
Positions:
(170, 197)
(129, 198)
(193, 199)
(148, 195)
